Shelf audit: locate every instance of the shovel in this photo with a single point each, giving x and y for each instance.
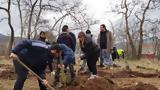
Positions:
(25, 66)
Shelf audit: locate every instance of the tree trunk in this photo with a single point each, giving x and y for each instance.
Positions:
(30, 20)
(141, 31)
(128, 33)
(37, 19)
(21, 18)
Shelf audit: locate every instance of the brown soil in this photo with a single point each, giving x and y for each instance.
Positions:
(141, 86)
(107, 80)
(130, 74)
(7, 72)
(126, 74)
(95, 84)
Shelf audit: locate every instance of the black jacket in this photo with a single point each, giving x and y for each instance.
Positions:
(35, 54)
(90, 48)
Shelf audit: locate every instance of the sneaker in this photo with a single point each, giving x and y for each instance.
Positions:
(93, 77)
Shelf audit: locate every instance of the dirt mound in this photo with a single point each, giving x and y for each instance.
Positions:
(95, 84)
(129, 74)
(141, 86)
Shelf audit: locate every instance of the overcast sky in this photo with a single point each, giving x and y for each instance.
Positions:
(96, 8)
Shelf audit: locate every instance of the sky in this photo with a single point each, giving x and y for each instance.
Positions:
(96, 9)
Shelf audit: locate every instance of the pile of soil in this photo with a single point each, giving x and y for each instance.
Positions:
(107, 84)
(95, 84)
(141, 86)
(130, 74)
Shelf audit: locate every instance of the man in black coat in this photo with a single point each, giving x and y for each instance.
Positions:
(35, 54)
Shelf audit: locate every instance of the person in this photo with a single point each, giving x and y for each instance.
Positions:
(89, 34)
(105, 43)
(61, 50)
(121, 53)
(42, 37)
(83, 66)
(67, 38)
(115, 54)
(74, 41)
(91, 52)
(35, 54)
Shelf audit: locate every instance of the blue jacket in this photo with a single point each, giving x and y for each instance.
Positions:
(68, 54)
(35, 54)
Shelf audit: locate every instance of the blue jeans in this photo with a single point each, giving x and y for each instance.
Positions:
(105, 58)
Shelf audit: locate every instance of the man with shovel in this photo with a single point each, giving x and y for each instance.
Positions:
(35, 55)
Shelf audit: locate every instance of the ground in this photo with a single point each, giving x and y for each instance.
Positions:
(128, 75)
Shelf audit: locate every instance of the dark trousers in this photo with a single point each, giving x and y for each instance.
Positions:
(91, 62)
(58, 70)
(101, 62)
(22, 76)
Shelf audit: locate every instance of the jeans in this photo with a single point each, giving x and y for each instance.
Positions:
(22, 76)
(105, 58)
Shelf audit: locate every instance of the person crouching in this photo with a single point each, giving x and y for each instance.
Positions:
(91, 52)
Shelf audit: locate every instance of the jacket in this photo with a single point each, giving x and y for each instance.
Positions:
(109, 42)
(89, 48)
(66, 38)
(73, 47)
(68, 54)
(35, 54)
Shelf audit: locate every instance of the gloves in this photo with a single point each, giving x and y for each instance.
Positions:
(53, 73)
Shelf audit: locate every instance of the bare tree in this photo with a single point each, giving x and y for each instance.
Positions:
(38, 18)
(30, 18)
(142, 20)
(7, 10)
(126, 8)
(21, 17)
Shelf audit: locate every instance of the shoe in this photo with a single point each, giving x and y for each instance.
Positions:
(93, 77)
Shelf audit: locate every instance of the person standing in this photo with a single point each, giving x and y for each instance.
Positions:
(105, 43)
(89, 34)
(67, 38)
(91, 52)
(42, 37)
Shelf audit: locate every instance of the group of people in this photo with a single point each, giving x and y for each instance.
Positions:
(38, 54)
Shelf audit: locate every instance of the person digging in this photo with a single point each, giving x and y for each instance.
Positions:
(33, 56)
(65, 58)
